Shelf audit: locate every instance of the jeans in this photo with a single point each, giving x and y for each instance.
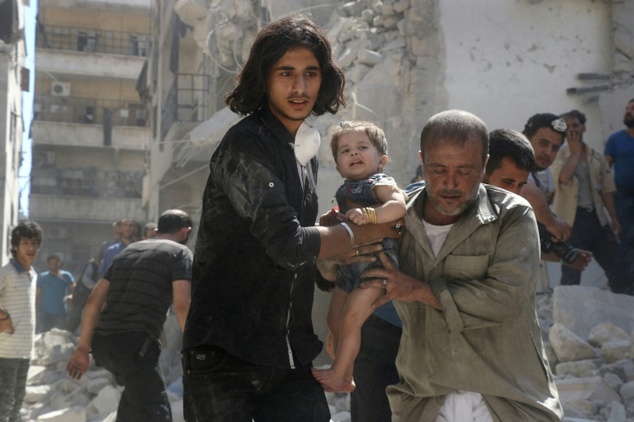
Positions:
(588, 234)
(219, 387)
(13, 374)
(133, 359)
(80, 297)
(375, 369)
(625, 212)
(49, 321)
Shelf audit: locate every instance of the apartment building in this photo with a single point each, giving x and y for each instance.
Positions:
(14, 78)
(181, 84)
(91, 131)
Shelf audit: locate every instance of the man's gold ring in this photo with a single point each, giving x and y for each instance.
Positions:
(384, 283)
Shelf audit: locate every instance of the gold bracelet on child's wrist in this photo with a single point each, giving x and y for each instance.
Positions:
(370, 214)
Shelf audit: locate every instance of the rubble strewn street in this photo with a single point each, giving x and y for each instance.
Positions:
(587, 330)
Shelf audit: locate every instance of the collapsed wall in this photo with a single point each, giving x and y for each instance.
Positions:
(391, 52)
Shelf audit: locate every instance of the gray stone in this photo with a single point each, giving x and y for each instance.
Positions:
(617, 412)
(579, 369)
(616, 350)
(580, 308)
(627, 393)
(354, 8)
(605, 332)
(568, 346)
(580, 408)
(368, 57)
(74, 414)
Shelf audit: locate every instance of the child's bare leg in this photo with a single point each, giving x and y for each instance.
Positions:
(337, 301)
(357, 308)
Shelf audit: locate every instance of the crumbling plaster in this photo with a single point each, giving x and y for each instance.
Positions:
(408, 59)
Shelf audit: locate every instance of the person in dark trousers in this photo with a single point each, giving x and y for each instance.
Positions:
(86, 282)
(249, 341)
(125, 314)
(584, 197)
(619, 153)
(18, 282)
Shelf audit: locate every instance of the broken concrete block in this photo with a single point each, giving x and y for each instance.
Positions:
(580, 308)
(580, 408)
(74, 414)
(189, 11)
(617, 412)
(579, 369)
(613, 351)
(37, 393)
(368, 57)
(604, 332)
(568, 346)
(105, 403)
(627, 393)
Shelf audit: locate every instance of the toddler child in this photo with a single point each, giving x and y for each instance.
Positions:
(367, 196)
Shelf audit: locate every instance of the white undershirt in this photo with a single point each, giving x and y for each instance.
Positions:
(436, 235)
(460, 405)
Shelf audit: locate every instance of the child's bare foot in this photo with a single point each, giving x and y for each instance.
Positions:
(332, 382)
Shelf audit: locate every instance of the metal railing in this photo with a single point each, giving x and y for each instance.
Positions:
(92, 182)
(186, 101)
(93, 40)
(88, 111)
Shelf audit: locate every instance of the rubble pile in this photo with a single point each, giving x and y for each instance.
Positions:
(51, 396)
(587, 332)
(590, 349)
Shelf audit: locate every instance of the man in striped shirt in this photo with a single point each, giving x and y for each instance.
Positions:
(17, 318)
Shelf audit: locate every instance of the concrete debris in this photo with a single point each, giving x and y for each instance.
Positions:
(593, 352)
(594, 373)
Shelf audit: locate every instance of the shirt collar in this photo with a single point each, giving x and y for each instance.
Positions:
(274, 125)
(18, 267)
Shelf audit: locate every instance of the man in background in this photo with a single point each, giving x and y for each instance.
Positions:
(128, 236)
(18, 282)
(54, 288)
(584, 191)
(139, 287)
(619, 152)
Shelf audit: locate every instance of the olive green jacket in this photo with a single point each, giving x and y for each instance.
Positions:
(487, 337)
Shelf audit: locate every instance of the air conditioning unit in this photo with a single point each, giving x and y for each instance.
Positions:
(60, 89)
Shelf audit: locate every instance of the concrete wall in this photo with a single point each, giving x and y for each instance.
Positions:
(509, 60)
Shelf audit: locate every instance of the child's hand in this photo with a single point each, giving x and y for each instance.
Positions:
(357, 216)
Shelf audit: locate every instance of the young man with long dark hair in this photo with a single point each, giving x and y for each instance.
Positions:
(249, 341)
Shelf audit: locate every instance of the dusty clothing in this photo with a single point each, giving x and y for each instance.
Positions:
(17, 297)
(254, 273)
(141, 290)
(487, 338)
(601, 181)
(360, 192)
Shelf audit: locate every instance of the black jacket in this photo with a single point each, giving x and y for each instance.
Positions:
(254, 263)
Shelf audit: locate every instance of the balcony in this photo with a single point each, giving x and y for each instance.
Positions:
(64, 108)
(187, 101)
(91, 182)
(87, 40)
(47, 207)
(89, 136)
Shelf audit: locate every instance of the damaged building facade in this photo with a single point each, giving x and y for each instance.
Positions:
(404, 61)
